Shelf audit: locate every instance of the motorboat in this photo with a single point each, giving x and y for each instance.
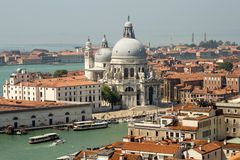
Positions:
(87, 125)
(43, 138)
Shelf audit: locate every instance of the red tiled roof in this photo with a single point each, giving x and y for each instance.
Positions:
(150, 147)
(60, 82)
(208, 147)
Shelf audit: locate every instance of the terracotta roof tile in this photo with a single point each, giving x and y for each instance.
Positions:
(179, 126)
(149, 147)
(60, 82)
(206, 148)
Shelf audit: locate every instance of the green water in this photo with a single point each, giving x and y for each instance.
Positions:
(17, 148)
(5, 71)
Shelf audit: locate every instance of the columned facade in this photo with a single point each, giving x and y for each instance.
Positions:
(128, 71)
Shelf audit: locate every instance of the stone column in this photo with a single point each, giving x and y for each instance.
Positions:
(122, 73)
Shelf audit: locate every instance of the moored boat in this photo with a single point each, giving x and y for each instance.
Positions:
(87, 125)
(43, 138)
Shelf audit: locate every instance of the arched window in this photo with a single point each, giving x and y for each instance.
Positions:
(15, 118)
(83, 111)
(50, 115)
(67, 113)
(125, 73)
(129, 89)
(143, 70)
(132, 72)
(90, 98)
(83, 118)
(33, 116)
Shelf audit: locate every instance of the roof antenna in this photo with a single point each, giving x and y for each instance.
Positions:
(128, 18)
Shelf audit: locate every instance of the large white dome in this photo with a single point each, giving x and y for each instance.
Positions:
(103, 55)
(128, 48)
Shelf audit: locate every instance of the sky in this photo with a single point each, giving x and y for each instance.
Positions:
(159, 22)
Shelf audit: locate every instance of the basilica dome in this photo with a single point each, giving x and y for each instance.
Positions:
(103, 55)
(128, 48)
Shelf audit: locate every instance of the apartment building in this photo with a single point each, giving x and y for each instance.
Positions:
(231, 113)
(214, 81)
(183, 122)
(173, 82)
(233, 82)
(139, 148)
(24, 86)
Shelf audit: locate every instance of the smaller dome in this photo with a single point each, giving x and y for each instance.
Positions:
(103, 55)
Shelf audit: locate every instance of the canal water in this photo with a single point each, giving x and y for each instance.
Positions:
(5, 71)
(16, 147)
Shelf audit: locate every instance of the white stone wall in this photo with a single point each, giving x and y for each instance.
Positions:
(43, 116)
(214, 155)
(190, 123)
(86, 93)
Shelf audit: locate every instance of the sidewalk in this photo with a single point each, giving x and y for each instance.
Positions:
(130, 113)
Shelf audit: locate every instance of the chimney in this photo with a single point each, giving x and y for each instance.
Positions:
(200, 147)
(121, 157)
(225, 142)
(208, 140)
(192, 144)
(84, 155)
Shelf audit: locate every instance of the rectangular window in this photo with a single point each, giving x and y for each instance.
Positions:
(206, 133)
(177, 135)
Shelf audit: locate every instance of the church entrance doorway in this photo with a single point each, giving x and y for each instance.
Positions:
(150, 95)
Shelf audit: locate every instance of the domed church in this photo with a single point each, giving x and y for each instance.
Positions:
(125, 69)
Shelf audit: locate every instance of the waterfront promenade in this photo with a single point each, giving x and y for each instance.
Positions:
(129, 113)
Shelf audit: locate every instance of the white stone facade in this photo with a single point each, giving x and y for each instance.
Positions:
(44, 116)
(124, 69)
(28, 90)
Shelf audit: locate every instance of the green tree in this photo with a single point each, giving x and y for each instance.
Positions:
(225, 65)
(60, 73)
(110, 96)
(209, 44)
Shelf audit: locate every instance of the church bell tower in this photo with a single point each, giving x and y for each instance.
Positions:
(88, 59)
